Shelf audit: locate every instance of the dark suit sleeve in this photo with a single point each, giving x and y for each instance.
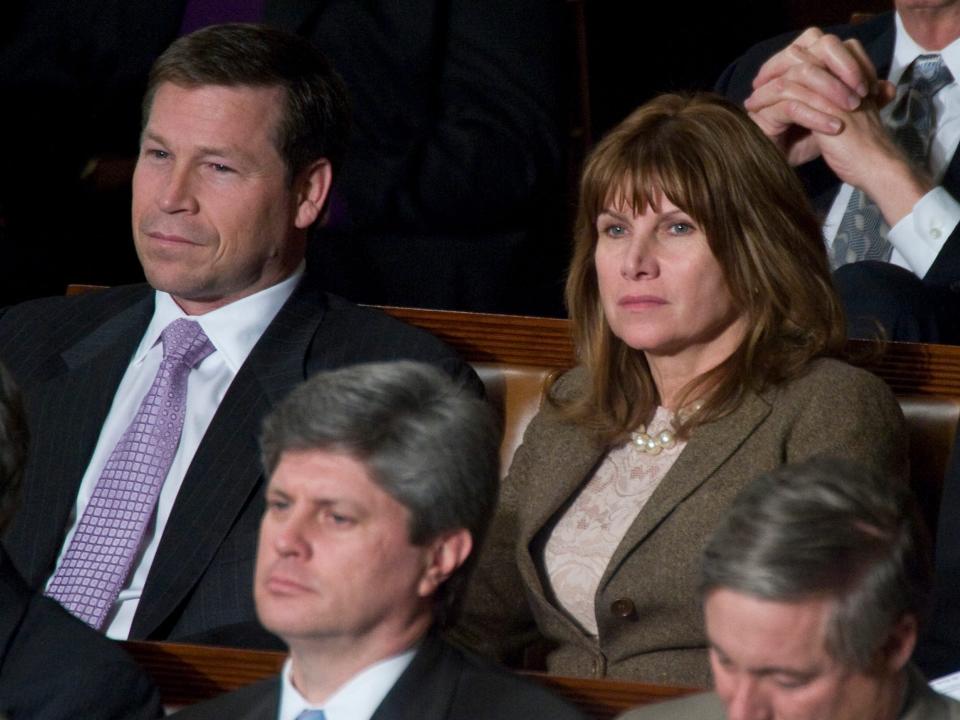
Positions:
(938, 652)
(736, 81)
(350, 334)
(56, 668)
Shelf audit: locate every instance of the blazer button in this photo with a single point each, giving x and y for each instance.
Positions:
(624, 608)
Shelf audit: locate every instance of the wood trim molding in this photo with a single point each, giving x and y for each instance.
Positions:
(187, 674)
(909, 368)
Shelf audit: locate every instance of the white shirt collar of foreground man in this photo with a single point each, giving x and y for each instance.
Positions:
(358, 699)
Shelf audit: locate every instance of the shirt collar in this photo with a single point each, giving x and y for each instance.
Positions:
(906, 50)
(357, 699)
(233, 329)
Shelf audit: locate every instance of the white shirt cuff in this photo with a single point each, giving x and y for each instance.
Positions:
(920, 235)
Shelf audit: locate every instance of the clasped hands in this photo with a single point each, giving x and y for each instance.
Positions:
(820, 96)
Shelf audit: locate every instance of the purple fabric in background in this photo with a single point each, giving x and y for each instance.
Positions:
(200, 13)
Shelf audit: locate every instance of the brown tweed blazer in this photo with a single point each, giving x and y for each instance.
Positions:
(647, 605)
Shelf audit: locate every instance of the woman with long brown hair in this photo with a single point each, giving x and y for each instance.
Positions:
(708, 336)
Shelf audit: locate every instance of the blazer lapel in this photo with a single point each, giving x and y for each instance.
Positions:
(577, 454)
(226, 471)
(708, 448)
(68, 413)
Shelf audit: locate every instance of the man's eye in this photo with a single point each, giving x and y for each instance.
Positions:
(221, 168)
(789, 682)
(277, 504)
(156, 153)
(340, 520)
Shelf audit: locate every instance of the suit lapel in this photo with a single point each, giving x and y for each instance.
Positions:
(265, 705)
(878, 37)
(426, 688)
(68, 412)
(225, 471)
(709, 447)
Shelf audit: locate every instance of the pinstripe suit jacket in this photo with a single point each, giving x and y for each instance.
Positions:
(68, 356)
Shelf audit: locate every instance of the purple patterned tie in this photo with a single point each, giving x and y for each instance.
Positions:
(108, 536)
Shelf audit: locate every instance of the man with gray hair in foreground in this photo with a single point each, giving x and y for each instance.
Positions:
(813, 587)
(382, 480)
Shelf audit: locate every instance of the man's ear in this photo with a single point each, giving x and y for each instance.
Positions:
(443, 556)
(312, 186)
(900, 644)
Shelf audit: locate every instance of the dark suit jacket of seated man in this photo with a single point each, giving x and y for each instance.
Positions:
(227, 184)
(919, 302)
(52, 666)
(382, 479)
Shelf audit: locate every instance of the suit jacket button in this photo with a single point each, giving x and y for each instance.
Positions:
(624, 608)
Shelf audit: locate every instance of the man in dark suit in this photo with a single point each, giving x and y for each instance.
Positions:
(383, 478)
(452, 192)
(93, 678)
(819, 96)
(243, 127)
(938, 652)
(813, 587)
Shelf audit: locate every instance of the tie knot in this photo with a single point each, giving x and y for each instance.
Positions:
(311, 715)
(928, 74)
(185, 341)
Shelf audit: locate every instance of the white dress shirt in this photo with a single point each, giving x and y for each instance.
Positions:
(233, 329)
(919, 236)
(358, 699)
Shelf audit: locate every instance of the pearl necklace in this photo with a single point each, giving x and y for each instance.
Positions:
(666, 439)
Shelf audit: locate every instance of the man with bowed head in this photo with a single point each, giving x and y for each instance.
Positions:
(813, 586)
(143, 490)
(383, 478)
(870, 115)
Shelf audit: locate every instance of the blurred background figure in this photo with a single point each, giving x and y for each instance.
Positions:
(453, 192)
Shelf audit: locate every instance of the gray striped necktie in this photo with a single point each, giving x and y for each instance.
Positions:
(862, 234)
